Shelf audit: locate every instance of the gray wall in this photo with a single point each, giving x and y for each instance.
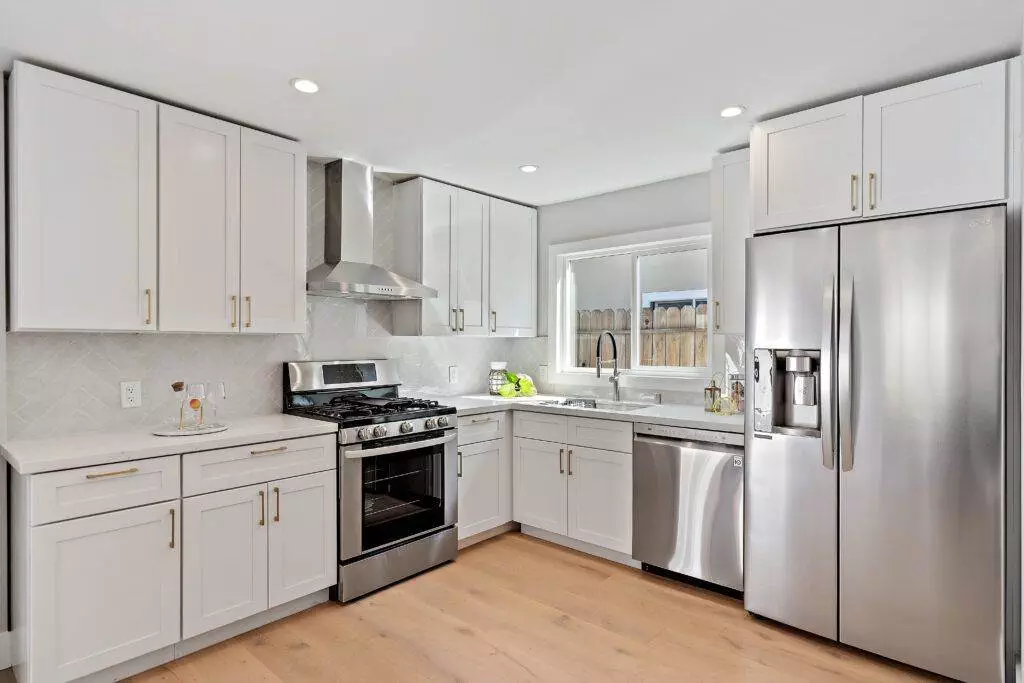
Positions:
(660, 205)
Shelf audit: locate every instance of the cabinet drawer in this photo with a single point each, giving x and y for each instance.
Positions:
(608, 435)
(257, 463)
(539, 426)
(477, 428)
(90, 490)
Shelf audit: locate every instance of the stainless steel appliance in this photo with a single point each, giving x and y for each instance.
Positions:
(397, 468)
(876, 471)
(688, 502)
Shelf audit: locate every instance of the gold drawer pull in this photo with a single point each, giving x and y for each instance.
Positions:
(277, 495)
(149, 306)
(118, 473)
(172, 528)
(234, 311)
(263, 508)
(481, 420)
(248, 302)
(268, 451)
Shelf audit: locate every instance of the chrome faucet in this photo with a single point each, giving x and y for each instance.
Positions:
(614, 379)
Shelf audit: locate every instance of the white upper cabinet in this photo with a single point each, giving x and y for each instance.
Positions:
(199, 223)
(479, 253)
(83, 237)
(273, 219)
(937, 143)
(513, 277)
(472, 257)
(303, 552)
(806, 167)
(730, 227)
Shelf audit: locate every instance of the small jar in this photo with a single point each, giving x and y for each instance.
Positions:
(496, 377)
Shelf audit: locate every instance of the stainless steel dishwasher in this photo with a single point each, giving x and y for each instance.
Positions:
(688, 502)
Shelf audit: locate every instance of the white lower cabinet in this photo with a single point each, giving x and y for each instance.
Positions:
(576, 491)
(104, 589)
(601, 498)
(539, 487)
(224, 564)
(483, 505)
(256, 547)
(303, 555)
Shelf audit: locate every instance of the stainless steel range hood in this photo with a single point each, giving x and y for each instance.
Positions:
(348, 270)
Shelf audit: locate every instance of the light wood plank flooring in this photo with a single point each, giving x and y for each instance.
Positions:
(517, 609)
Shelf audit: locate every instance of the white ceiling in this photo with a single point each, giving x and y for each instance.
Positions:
(601, 94)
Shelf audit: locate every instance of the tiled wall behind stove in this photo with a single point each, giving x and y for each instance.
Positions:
(65, 383)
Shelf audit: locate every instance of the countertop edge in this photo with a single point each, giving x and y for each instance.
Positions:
(30, 456)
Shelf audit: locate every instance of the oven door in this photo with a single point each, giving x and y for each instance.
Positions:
(392, 490)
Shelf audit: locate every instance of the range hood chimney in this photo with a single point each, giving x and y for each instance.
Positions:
(348, 269)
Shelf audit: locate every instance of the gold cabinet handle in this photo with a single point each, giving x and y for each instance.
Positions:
(118, 473)
(871, 190)
(172, 528)
(455, 320)
(853, 192)
(248, 303)
(149, 306)
(561, 467)
(568, 460)
(459, 470)
(481, 420)
(277, 500)
(462, 320)
(268, 451)
(718, 316)
(494, 321)
(263, 509)
(234, 311)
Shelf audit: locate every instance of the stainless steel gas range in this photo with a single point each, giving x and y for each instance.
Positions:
(397, 469)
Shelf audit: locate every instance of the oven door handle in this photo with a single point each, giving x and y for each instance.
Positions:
(356, 454)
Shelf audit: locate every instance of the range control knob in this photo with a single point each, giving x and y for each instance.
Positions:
(380, 431)
(430, 423)
(405, 427)
(442, 421)
(364, 433)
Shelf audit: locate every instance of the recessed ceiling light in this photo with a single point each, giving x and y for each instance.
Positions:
(305, 85)
(528, 168)
(734, 110)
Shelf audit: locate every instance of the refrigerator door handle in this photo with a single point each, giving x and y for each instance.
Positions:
(828, 453)
(845, 374)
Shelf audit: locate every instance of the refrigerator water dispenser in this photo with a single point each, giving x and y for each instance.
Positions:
(786, 384)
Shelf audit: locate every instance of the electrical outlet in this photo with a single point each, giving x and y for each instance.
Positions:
(131, 394)
(453, 374)
(543, 372)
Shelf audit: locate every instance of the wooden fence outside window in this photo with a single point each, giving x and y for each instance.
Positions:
(670, 336)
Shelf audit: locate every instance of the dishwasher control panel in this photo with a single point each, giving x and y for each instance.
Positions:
(688, 434)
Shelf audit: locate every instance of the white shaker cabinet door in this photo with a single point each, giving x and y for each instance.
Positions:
(303, 555)
(438, 258)
(224, 565)
(83, 242)
(273, 218)
(199, 223)
(473, 261)
(539, 497)
(806, 167)
(513, 266)
(104, 589)
(601, 497)
(480, 481)
(730, 228)
(937, 143)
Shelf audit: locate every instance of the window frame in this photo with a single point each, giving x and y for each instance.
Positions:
(561, 324)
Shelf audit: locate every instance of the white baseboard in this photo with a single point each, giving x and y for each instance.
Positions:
(490, 533)
(186, 647)
(582, 546)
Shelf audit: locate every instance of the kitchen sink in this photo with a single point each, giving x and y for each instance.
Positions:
(595, 404)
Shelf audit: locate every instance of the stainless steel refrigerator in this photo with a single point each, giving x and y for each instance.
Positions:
(876, 468)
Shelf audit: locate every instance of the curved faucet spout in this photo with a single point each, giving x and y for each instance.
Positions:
(615, 352)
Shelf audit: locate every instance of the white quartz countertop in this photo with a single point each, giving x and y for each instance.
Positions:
(31, 456)
(672, 414)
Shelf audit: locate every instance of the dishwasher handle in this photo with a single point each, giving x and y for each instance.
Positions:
(688, 445)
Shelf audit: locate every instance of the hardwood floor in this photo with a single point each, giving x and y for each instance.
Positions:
(517, 609)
